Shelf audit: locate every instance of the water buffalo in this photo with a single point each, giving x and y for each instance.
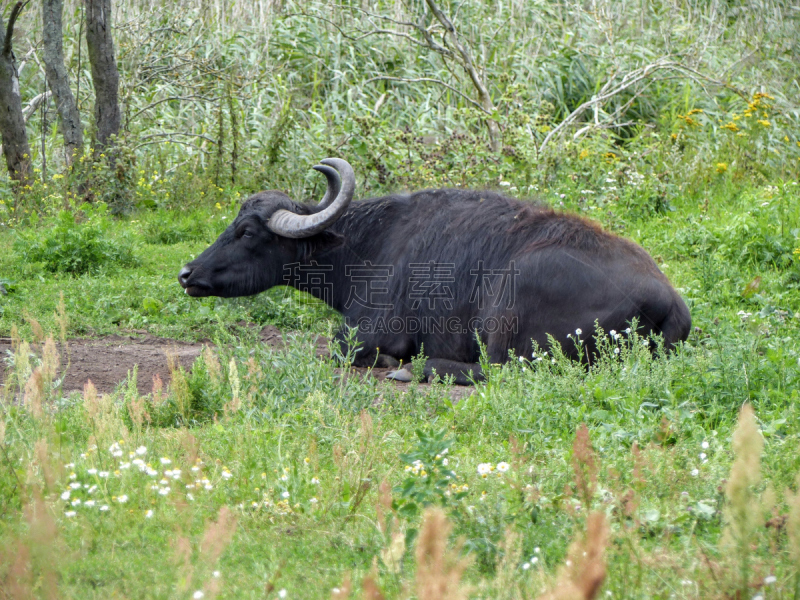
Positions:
(442, 268)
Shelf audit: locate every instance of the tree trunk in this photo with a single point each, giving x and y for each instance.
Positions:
(105, 76)
(68, 115)
(16, 150)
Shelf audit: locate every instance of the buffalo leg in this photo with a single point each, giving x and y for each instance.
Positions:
(461, 372)
(368, 354)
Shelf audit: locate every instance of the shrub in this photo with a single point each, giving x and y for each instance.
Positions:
(77, 248)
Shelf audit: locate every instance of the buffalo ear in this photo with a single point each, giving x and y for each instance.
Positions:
(318, 244)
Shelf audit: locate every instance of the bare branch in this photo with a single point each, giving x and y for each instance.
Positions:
(429, 39)
(173, 141)
(15, 12)
(429, 80)
(432, 45)
(157, 102)
(35, 102)
(25, 59)
(469, 67)
(159, 135)
(607, 92)
(611, 89)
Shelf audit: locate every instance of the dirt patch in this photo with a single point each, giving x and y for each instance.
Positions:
(107, 361)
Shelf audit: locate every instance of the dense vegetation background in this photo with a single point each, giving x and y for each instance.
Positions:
(672, 123)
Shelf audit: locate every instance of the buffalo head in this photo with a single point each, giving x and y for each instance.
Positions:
(270, 232)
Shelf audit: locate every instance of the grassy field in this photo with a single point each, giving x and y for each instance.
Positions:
(265, 473)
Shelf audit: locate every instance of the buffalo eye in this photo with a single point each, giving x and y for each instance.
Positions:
(247, 233)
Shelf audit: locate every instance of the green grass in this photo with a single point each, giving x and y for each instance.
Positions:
(704, 176)
(295, 406)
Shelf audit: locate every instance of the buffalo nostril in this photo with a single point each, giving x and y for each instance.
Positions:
(183, 276)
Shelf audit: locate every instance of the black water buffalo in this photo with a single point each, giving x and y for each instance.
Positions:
(442, 268)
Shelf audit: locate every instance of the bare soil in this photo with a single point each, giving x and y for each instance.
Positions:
(106, 361)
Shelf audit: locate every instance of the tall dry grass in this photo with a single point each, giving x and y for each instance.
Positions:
(743, 513)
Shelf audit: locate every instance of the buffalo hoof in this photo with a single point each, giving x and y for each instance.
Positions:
(401, 375)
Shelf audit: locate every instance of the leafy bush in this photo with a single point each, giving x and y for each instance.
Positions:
(77, 248)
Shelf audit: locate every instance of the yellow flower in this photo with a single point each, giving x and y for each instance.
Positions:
(218, 206)
(722, 167)
(584, 153)
(786, 139)
(732, 126)
(764, 122)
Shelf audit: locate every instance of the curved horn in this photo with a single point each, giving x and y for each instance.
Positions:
(334, 184)
(291, 225)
